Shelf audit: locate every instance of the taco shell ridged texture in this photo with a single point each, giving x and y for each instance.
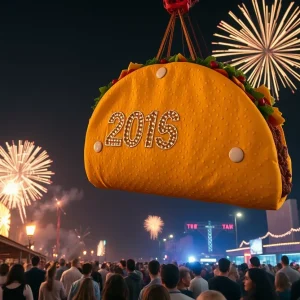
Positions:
(214, 116)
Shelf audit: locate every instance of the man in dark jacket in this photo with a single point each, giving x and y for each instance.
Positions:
(35, 277)
(133, 281)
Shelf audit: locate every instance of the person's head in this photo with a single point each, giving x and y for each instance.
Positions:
(285, 260)
(258, 285)
(87, 269)
(86, 290)
(254, 262)
(50, 276)
(4, 268)
(75, 263)
(211, 295)
(104, 266)
(170, 276)
(233, 271)
(96, 266)
(16, 274)
(115, 288)
(155, 292)
(123, 263)
(197, 269)
(224, 266)
(42, 264)
(35, 260)
(62, 262)
(184, 277)
(154, 268)
(118, 270)
(243, 268)
(130, 265)
(282, 282)
(216, 272)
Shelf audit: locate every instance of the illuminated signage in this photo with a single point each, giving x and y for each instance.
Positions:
(208, 260)
(192, 226)
(227, 226)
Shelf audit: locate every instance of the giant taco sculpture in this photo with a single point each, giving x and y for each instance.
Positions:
(189, 128)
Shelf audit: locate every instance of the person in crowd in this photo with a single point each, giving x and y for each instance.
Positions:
(42, 265)
(114, 270)
(216, 271)
(211, 295)
(198, 284)
(86, 274)
(4, 269)
(133, 281)
(69, 276)
(115, 288)
(52, 289)
(291, 274)
(16, 287)
(122, 265)
(255, 263)
(224, 285)
(138, 269)
(103, 271)
(295, 290)
(96, 275)
(278, 267)
(61, 269)
(283, 286)
(170, 279)
(35, 277)
(233, 273)
(258, 285)
(85, 290)
(185, 281)
(243, 269)
(156, 292)
(154, 268)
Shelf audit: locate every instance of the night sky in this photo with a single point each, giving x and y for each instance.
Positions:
(54, 55)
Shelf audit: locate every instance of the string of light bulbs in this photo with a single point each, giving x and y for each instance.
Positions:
(277, 236)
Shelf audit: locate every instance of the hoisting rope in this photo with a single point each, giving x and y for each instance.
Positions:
(169, 33)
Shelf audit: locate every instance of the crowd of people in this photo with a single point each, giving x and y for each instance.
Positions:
(127, 280)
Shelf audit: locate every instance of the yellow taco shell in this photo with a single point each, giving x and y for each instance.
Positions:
(212, 116)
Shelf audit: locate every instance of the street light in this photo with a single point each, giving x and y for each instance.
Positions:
(30, 230)
(171, 236)
(84, 252)
(164, 240)
(92, 252)
(237, 215)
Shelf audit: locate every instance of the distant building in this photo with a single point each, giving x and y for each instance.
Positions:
(282, 221)
(279, 222)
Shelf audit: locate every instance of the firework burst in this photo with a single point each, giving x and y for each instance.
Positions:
(154, 225)
(4, 220)
(266, 47)
(23, 173)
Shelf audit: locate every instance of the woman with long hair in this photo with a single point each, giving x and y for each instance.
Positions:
(85, 291)
(233, 273)
(4, 269)
(52, 289)
(15, 287)
(283, 286)
(115, 288)
(258, 285)
(156, 292)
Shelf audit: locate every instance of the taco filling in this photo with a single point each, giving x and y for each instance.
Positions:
(282, 153)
